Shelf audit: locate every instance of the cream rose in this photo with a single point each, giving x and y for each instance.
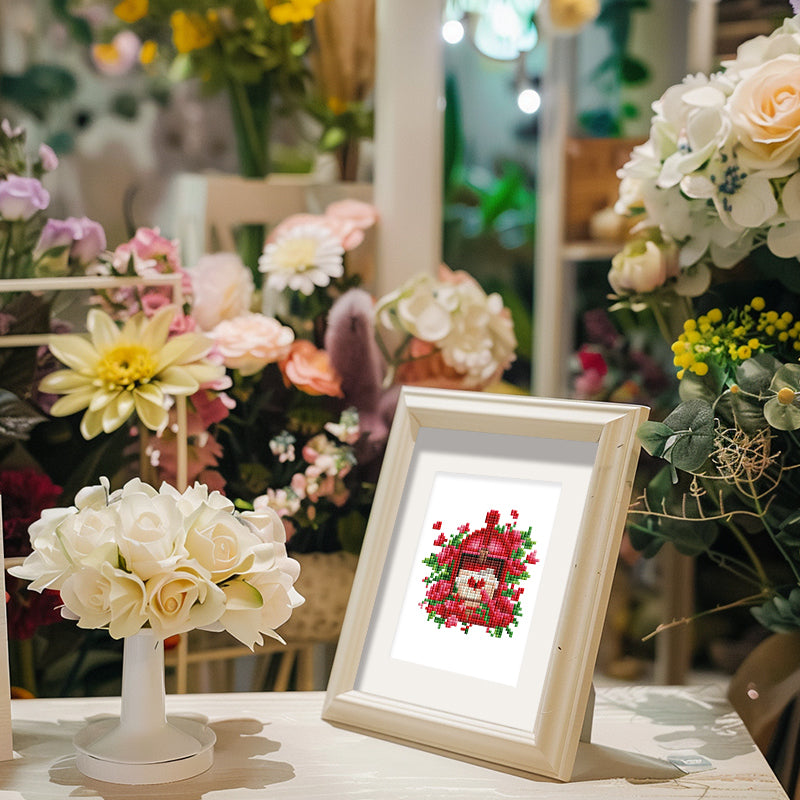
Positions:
(251, 341)
(181, 600)
(87, 598)
(222, 544)
(151, 535)
(765, 112)
(643, 265)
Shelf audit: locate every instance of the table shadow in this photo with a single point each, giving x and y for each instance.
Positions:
(239, 761)
(702, 723)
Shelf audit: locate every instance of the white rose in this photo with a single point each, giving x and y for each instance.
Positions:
(48, 564)
(87, 598)
(196, 497)
(222, 287)
(181, 600)
(127, 597)
(93, 496)
(765, 116)
(222, 544)
(258, 603)
(151, 534)
(643, 265)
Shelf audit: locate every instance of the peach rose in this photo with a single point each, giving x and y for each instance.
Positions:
(765, 112)
(251, 341)
(310, 370)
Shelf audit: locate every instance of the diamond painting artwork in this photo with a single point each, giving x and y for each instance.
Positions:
(476, 576)
(472, 588)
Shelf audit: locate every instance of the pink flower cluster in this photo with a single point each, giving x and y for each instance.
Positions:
(148, 255)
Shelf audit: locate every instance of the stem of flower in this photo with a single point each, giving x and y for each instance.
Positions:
(744, 601)
(751, 553)
(768, 528)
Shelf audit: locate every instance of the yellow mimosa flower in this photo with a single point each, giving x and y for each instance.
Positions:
(114, 372)
(190, 31)
(131, 11)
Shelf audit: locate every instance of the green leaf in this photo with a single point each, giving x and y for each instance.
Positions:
(654, 437)
(780, 614)
(333, 138)
(693, 424)
(755, 374)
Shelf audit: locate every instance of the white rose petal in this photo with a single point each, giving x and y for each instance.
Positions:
(784, 240)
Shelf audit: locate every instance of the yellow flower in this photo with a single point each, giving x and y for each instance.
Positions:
(148, 53)
(131, 11)
(758, 303)
(114, 371)
(292, 11)
(190, 31)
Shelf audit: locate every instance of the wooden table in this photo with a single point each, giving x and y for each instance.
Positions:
(276, 746)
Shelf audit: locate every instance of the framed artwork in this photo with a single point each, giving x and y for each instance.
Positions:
(477, 607)
(6, 752)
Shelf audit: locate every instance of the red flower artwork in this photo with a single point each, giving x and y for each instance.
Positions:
(475, 575)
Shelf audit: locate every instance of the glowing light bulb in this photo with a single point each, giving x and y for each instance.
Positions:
(529, 101)
(452, 31)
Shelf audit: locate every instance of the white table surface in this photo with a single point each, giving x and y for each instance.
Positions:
(276, 746)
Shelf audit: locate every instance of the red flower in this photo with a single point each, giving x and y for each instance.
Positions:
(437, 526)
(592, 360)
(439, 590)
(440, 540)
(26, 493)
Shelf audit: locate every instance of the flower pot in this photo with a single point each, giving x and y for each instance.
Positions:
(142, 745)
(765, 691)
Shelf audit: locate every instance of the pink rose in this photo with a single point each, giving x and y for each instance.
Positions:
(249, 342)
(148, 243)
(310, 370)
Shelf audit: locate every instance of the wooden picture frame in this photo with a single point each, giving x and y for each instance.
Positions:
(430, 657)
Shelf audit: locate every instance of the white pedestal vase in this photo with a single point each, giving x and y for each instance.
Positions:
(143, 745)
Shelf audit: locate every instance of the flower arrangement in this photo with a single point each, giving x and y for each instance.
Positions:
(718, 175)
(716, 183)
(447, 331)
(165, 560)
(475, 576)
(253, 51)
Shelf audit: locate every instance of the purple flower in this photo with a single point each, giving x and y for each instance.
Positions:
(21, 198)
(89, 239)
(795, 6)
(56, 233)
(48, 157)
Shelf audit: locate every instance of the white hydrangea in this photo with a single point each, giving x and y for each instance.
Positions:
(713, 173)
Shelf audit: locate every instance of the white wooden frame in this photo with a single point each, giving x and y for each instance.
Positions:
(579, 444)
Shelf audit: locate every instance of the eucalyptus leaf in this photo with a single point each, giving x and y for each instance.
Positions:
(780, 614)
(654, 437)
(755, 374)
(693, 424)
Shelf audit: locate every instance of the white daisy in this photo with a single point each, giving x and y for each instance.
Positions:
(302, 258)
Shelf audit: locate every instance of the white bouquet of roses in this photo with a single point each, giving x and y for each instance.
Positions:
(166, 560)
(719, 173)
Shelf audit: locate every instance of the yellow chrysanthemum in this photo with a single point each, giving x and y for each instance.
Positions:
(190, 31)
(114, 372)
(131, 11)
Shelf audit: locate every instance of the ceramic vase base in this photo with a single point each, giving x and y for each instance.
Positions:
(93, 760)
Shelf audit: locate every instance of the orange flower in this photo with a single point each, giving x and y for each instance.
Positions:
(131, 11)
(310, 370)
